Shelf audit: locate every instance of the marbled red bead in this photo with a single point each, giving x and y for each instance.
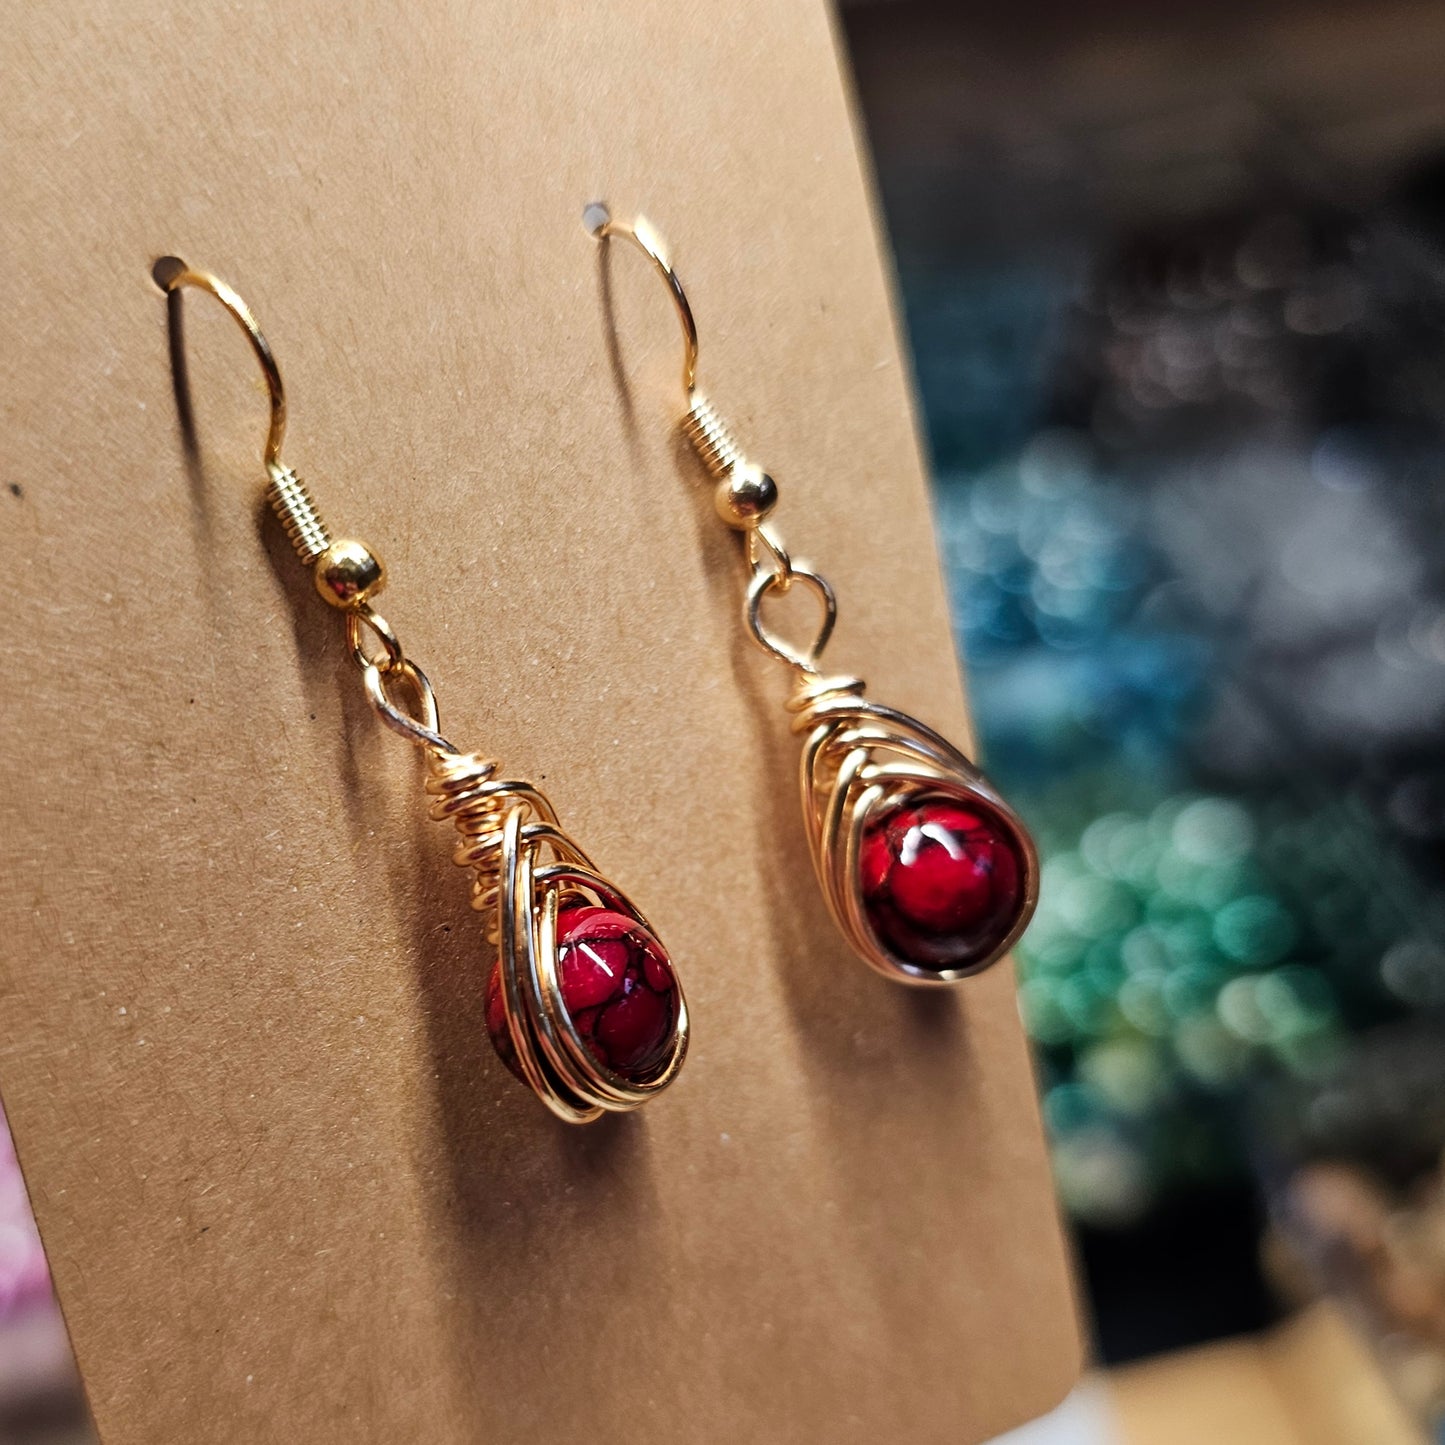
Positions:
(943, 880)
(618, 987)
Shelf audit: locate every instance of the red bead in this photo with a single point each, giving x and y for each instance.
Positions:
(943, 880)
(617, 986)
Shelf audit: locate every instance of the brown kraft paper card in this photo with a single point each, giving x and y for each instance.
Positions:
(288, 1192)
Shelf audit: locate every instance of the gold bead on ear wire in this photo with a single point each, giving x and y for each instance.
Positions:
(582, 1002)
(926, 869)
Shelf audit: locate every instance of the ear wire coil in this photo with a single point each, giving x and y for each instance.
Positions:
(293, 505)
(711, 438)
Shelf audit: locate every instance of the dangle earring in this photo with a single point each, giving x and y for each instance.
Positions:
(929, 874)
(582, 1002)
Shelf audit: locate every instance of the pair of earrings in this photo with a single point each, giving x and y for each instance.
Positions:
(926, 870)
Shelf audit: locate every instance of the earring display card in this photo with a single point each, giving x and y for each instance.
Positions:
(288, 1192)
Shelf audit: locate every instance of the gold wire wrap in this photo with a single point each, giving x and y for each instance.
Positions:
(860, 758)
(292, 503)
(525, 866)
(469, 795)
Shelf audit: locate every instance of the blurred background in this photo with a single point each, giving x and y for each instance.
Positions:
(1174, 279)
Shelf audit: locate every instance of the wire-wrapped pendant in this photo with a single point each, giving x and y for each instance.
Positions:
(928, 872)
(582, 1004)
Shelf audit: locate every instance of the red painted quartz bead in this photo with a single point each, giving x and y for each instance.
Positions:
(618, 987)
(943, 880)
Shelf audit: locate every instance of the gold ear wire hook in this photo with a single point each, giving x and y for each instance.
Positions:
(347, 573)
(745, 495)
(598, 220)
(170, 273)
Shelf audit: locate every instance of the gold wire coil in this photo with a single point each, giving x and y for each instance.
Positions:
(816, 696)
(711, 438)
(470, 796)
(293, 505)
